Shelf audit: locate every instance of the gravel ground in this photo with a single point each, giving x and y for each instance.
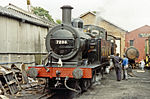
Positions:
(137, 87)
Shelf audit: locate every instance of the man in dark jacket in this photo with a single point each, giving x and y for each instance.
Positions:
(117, 64)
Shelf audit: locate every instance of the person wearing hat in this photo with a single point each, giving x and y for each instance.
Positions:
(124, 67)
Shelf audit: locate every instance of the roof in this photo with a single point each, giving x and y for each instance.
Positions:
(82, 15)
(24, 16)
(140, 28)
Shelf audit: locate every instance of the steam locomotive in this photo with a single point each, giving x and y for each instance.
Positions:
(77, 54)
(132, 54)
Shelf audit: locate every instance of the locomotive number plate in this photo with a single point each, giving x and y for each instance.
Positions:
(61, 42)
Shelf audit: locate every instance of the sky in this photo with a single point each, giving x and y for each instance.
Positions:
(126, 14)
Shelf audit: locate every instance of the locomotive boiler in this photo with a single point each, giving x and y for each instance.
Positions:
(77, 54)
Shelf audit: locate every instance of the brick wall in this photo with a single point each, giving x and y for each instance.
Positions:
(138, 42)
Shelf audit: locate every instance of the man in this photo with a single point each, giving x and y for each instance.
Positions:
(125, 66)
(117, 64)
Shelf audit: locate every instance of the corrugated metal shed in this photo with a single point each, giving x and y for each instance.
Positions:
(22, 35)
(25, 17)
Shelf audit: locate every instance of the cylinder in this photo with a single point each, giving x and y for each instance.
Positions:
(66, 14)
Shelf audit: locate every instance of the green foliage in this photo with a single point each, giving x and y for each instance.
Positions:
(94, 12)
(58, 21)
(42, 13)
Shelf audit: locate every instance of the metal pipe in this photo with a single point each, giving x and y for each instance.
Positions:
(65, 83)
(43, 62)
(50, 59)
(66, 14)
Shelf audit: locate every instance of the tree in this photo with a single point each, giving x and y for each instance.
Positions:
(94, 12)
(58, 21)
(42, 13)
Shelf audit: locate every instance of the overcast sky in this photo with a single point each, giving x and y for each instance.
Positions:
(127, 14)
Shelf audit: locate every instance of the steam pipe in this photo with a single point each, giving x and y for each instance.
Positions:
(43, 62)
(65, 83)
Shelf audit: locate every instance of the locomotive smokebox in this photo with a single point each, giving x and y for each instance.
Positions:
(66, 14)
(132, 53)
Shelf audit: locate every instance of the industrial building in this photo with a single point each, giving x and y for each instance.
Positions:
(22, 35)
(138, 39)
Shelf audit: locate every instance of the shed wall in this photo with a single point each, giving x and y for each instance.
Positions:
(18, 39)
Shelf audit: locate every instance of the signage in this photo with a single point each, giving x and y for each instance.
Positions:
(144, 35)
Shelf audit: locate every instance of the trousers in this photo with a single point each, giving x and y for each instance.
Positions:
(118, 73)
(125, 74)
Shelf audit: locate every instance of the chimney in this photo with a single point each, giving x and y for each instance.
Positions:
(66, 14)
(28, 5)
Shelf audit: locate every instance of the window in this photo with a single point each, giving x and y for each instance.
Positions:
(131, 42)
(80, 25)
